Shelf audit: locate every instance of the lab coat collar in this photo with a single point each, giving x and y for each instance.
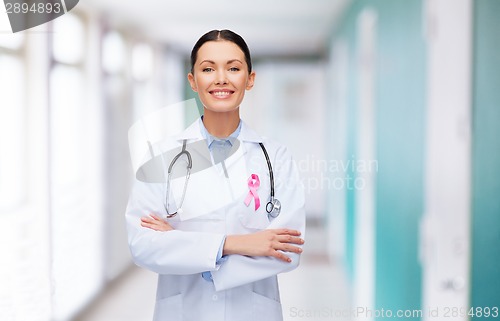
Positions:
(193, 132)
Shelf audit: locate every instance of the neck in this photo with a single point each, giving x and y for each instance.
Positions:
(221, 125)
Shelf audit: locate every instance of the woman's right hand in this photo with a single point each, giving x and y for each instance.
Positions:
(264, 243)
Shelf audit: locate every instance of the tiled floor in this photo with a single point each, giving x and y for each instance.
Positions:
(317, 290)
(130, 298)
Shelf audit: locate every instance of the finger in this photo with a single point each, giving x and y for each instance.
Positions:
(147, 219)
(155, 217)
(286, 231)
(150, 226)
(286, 247)
(290, 239)
(291, 248)
(281, 256)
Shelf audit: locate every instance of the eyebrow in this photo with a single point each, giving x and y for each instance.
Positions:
(228, 62)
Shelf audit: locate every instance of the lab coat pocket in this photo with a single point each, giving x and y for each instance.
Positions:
(169, 309)
(254, 220)
(265, 308)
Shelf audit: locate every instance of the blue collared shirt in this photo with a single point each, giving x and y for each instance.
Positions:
(219, 147)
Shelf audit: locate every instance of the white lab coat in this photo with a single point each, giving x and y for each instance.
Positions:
(244, 288)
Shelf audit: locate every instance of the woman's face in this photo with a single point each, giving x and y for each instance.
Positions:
(220, 76)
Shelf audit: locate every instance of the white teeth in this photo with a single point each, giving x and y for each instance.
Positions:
(221, 93)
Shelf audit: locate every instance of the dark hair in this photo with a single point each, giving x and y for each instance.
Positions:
(217, 35)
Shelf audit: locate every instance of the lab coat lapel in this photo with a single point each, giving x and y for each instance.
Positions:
(246, 135)
(193, 134)
(236, 153)
(238, 165)
(206, 192)
(249, 135)
(200, 198)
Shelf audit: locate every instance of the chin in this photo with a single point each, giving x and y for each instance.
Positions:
(221, 107)
(221, 110)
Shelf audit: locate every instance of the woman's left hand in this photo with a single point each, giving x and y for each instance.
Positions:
(155, 223)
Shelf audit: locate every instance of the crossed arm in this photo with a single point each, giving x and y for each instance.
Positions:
(263, 243)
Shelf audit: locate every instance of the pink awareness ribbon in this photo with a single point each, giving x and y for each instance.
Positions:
(253, 185)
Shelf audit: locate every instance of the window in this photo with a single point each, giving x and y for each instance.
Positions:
(69, 39)
(117, 95)
(67, 128)
(25, 288)
(12, 133)
(145, 92)
(113, 53)
(76, 216)
(142, 62)
(11, 41)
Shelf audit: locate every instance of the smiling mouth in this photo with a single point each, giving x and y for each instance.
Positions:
(221, 94)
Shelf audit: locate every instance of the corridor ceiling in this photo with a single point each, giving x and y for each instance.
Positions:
(270, 27)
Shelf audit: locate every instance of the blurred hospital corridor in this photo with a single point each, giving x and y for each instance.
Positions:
(389, 108)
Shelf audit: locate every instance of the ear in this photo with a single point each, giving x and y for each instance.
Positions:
(251, 80)
(192, 82)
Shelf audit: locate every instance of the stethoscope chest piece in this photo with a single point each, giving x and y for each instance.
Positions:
(273, 207)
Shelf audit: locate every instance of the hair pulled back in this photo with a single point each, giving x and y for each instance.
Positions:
(219, 35)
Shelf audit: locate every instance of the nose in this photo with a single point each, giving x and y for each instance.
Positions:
(221, 78)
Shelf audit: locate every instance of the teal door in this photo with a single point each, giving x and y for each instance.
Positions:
(485, 278)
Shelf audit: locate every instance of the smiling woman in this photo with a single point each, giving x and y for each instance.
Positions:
(220, 264)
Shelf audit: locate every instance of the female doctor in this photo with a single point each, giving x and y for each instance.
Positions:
(220, 262)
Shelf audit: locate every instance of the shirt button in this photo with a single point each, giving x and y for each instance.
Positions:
(214, 297)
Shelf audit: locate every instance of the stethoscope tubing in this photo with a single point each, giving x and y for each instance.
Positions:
(273, 207)
(184, 151)
(269, 166)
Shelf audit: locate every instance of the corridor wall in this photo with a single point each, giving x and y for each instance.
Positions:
(398, 102)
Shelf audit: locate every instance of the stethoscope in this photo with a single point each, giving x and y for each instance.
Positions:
(273, 207)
